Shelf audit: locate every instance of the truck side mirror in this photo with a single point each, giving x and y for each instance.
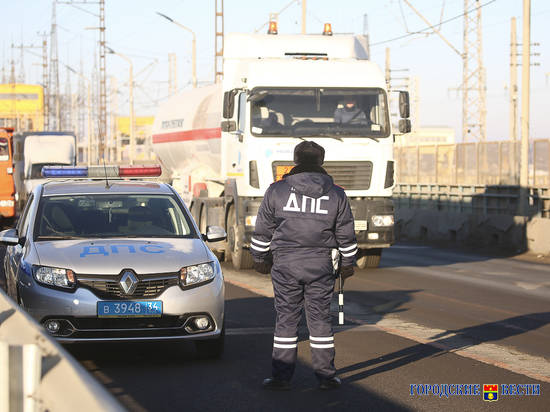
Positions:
(404, 105)
(229, 103)
(404, 126)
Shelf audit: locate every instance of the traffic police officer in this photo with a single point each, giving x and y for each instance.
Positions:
(302, 218)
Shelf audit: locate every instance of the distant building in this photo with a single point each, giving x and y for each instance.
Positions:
(427, 136)
(142, 130)
(22, 107)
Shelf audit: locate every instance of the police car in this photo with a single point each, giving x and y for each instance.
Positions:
(99, 259)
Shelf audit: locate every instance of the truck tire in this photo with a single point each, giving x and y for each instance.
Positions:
(369, 258)
(241, 258)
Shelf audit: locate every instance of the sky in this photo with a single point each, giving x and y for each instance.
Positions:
(134, 29)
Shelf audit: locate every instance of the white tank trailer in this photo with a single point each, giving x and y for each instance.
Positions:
(224, 144)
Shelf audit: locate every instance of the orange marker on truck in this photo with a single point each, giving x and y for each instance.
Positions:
(7, 186)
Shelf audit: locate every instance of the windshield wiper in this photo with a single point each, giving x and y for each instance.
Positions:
(57, 237)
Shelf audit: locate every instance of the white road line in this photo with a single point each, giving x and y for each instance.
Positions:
(503, 357)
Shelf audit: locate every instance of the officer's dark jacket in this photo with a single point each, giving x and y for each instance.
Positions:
(305, 210)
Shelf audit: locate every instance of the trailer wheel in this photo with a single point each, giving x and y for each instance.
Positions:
(241, 258)
(369, 258)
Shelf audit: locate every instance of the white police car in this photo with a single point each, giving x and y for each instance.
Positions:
(115, 260)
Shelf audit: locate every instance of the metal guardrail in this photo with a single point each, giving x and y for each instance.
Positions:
(474, 199)
(37, 374)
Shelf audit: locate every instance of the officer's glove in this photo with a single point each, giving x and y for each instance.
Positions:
(263, 267)
(346, 272)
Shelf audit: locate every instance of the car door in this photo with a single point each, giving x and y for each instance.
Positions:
(14, 253)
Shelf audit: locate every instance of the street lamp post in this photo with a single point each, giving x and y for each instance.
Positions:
(193, 47)
(131, 102)
(88, 115)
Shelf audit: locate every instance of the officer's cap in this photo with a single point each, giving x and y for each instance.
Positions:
(309, 153)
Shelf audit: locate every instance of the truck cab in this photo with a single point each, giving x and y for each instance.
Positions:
(7, 186)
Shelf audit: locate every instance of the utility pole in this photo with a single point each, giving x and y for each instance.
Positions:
(53, 87)
(473, 75)
(45, 82)
(218, 42)
(513, 81)
(304, 13)
(525, 95)
(102, 81)
(388, 69)
(366, 32)
(513, 152)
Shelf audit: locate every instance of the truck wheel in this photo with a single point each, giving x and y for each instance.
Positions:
(211, 348)
(370, 258)
(241, 258)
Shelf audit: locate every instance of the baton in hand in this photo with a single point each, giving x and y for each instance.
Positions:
(341, 301)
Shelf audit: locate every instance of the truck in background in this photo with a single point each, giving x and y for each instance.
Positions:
(32, 151)
(7, 185)
(224, 144)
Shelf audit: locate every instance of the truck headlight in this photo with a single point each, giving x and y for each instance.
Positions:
(7, 203)
(192, 275)
(63, 278)
(382, 220)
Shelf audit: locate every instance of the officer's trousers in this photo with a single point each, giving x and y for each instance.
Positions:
(303, 278)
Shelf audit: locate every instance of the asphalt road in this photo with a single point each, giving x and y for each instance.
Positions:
(427, 316)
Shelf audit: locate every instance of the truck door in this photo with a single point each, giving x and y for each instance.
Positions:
(235, 142)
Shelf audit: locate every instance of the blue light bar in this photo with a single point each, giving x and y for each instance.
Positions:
(64, 171)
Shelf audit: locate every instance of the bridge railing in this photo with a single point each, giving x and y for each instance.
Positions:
(37, 374)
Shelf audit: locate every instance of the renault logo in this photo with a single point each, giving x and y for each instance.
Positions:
(128, 282)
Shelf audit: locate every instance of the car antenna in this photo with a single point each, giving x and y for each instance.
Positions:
(106, 179)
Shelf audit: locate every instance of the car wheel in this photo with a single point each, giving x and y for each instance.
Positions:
(211, 348)
(241, 258)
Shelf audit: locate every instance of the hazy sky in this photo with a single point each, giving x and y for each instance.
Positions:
(134, 29)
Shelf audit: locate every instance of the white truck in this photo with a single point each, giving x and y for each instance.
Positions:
(224, 144)
(32, 151)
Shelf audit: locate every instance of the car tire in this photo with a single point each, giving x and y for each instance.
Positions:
(211, 348)
(369, 258)
(241, 258)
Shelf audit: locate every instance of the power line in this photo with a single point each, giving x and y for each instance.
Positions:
(430, 27)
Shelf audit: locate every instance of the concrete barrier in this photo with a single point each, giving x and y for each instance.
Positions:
(504, 232)
(36, 373)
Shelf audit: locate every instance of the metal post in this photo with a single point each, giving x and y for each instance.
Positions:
(525, 92)
(89, 119)
(194, 60)
(132, 137)
(4, 376)
(304, 12)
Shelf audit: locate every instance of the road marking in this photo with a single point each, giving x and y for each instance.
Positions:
(496, 355)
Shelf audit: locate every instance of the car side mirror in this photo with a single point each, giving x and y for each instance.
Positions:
(215, 234)
(9, 237)
(404, 126)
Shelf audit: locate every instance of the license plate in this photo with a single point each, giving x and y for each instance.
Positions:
(280, 171)
(360, 225)
(130, 309)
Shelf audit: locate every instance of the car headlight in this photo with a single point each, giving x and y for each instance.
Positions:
(382, 220)
(192, 275)
(63, 278)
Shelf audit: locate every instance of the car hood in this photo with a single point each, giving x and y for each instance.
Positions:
(111, 256)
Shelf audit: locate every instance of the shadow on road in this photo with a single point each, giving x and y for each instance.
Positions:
(162, 376)
(448, 342)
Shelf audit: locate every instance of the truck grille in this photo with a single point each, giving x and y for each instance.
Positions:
(108, 287)
(349, 175)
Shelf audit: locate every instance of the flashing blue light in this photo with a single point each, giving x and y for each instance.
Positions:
(64, 171)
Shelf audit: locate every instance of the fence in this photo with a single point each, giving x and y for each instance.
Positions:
(487, 163)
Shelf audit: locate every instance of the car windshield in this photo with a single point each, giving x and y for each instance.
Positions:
(329, 112)
(100, 216)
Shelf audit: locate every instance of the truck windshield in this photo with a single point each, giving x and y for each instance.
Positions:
(331, 112)
(102, 216)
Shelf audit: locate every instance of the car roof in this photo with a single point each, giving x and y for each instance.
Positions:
(81, 187)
